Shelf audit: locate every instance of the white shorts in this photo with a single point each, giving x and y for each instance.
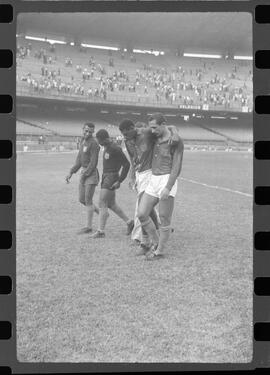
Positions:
(142, 180)
(158, 183)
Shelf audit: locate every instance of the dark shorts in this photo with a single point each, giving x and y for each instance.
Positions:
(108, 179)
(91, 180)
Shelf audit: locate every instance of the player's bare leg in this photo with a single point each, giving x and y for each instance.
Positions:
(85, 197)
(104, 199)
(147, 203)
(154, 217)
(138, 231)
(136, 235)
(89, 193)
(120, 213)
(165, 214)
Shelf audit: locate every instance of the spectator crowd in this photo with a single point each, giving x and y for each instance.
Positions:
(205, 84)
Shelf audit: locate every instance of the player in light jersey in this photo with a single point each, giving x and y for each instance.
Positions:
(162, 187)
(87, 160)
(114, 162)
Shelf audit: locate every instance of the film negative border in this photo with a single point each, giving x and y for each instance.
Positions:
(261, 11)
(7, 183)
(261, 186)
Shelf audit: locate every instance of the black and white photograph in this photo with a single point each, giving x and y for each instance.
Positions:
(135, 0)
(134, 187)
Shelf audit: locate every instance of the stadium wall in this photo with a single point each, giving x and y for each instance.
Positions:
(65, 119)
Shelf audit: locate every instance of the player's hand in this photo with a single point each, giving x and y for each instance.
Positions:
(164, 194)
(116, 185)
(68, 177)
(173, 140)
(132, 184)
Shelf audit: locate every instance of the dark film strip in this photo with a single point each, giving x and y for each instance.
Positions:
(261, 188)
(7, 180)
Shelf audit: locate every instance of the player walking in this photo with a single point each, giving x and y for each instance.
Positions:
(87, 160)
(114, 160)
(140, 144)
(162, 187)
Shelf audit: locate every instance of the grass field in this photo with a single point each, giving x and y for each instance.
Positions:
(82, 300)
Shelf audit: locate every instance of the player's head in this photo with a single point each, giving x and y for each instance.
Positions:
(88, 129)
(103, 137)
(157, 123)
(139, 125)
(127, 128)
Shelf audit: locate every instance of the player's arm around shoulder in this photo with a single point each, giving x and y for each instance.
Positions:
(174, 137)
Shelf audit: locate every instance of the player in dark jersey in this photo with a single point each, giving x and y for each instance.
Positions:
(162, 187)
(87, 160)
(140, 144)
(115, 170)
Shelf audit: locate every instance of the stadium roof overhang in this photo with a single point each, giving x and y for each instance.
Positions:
(219, 32)
(49, 104)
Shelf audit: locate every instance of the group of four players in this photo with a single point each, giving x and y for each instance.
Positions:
(156, 153)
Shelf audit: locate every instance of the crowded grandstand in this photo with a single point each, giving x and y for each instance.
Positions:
(63, 76)
(164, 80)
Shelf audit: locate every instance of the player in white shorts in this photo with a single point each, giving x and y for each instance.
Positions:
(139, 144)
(162, 187)
(157, 184)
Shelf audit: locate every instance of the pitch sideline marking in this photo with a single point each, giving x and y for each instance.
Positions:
(216, 187)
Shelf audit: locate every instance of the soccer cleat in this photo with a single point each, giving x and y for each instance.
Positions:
(143, 249)
(152, 255)
(85, 230)
(135, 243)
(130, 226)
(98, 234)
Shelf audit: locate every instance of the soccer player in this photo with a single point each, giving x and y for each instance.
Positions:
(87, 160)
(162, 187)
(114, 160)
(139, 143)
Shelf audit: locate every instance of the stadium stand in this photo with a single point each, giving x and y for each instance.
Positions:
(165, 80)
(237, 132)
(192, 132)
(28, 127)
(24, 128)
(65, 122)
(43, 121)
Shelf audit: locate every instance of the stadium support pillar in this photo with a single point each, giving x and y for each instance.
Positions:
(179, 52)
(228, 55)
(129, 47)
(77, 41)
